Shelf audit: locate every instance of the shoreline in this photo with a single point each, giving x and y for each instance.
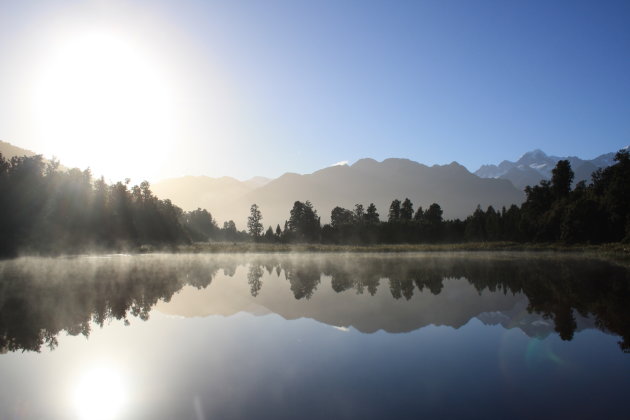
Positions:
(613, 251)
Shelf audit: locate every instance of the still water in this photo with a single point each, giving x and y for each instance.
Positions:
(314, 336)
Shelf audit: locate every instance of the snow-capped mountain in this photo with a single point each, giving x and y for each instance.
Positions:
(536, 165)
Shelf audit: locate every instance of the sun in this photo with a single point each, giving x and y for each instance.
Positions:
(99, 100)
(100, 394)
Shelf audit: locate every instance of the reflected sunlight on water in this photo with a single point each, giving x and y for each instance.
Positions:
(100, 393)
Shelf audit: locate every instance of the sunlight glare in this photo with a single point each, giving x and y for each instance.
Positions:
(100, 102)
(100, 394)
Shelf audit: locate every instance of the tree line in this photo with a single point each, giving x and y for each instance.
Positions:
(45, 210)
(553, 211)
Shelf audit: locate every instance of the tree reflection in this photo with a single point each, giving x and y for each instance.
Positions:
(40, 298)
(303, 278)
(557, 288)
(254, 275)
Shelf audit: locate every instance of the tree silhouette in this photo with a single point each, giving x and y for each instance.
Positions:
(433, 215)
(254, 226)
(371, 215)
(419, 216)
(394, 211)
(200, 225)
(340, 217)
(304, 223)
(406, 211)
(561, 179)
(359, 213)
(269, 236)
(49, 211)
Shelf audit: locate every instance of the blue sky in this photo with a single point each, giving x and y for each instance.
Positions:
(266, 87)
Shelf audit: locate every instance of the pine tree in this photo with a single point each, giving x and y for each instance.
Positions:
(254, 226)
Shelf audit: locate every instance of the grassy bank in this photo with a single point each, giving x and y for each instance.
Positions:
(616, 251)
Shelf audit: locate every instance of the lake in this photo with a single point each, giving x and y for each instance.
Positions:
(312, 336)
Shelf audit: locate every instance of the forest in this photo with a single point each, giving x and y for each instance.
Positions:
(46, 210)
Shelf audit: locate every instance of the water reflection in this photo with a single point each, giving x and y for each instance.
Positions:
(100, 394)
(41, 297)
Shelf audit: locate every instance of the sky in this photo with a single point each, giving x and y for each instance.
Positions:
(151, 89)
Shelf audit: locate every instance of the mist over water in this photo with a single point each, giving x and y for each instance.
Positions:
(325, 335)
(369, 292)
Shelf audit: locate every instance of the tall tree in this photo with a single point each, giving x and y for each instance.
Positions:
(371, 214)
(340, 217)
(269, 236)
(394, 211)
(359, 213)
(419, 216)
(406, 211)
(254, 225)
(561, 179)
(433, 215)
(304, 222)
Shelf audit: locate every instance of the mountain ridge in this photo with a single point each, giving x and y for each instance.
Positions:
(9, 150)
(452, 186)
(534, 166)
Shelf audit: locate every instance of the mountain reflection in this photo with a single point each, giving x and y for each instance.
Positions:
(42, 297)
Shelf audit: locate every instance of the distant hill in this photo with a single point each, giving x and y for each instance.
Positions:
(257, 181)
(452, 186)
(192, 192)
(536, 165)
(8, 150)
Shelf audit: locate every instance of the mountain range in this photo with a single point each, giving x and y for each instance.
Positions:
(367, 181)
(534, 166)
(457, 190)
